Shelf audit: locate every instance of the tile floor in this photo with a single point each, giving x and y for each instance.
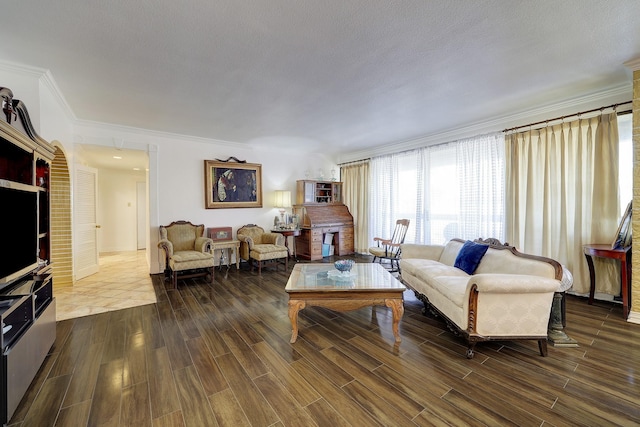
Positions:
(122, 282)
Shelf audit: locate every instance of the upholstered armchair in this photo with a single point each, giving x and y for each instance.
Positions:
(187, 252)
(258, 247)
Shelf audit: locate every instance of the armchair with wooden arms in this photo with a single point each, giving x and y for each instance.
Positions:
(389, 249)
(257, 247)
(187, 251)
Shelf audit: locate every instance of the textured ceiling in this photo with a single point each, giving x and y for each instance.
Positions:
(328, 74)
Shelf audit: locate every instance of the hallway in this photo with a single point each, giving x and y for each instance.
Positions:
(122, 282)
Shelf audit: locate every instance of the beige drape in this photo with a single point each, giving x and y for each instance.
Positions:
(562, 193)
(355, 187)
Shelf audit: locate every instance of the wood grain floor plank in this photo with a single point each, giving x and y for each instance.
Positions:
(175, 345)
(227, 410)
(44, 410)
(256, 408)
(85, 375)
(324, 415)
(135, 360)
(174, 419)
(332, 371)
(301, 390)
(280, 345)
(376, 384)
(151, 327)
(186, 324)
(68, 354)
(381, 409)
(174, 296)
(213, 381)
(74, 416)
(136, 407)
(282, 402)
(441, 413)
(525, 413)
(212, 337)
(244, 354)
(162, 388)
(107, 396)
(480, 412)
(115, 337)
(195, 405)
(350, 410)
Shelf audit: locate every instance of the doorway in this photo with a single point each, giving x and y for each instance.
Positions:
(121, 202)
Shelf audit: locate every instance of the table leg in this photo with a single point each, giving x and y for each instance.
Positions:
(592, 278)
(397, 309)
(624, 287)
(294, 307)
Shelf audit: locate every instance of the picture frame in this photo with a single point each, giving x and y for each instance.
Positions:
(623, 235)
(232, 185)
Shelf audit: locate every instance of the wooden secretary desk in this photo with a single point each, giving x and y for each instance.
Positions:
(321, 212)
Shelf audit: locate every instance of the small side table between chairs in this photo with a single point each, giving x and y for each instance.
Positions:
(227, 245)
(289, 232)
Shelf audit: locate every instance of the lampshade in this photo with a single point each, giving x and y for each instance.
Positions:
(282, 199)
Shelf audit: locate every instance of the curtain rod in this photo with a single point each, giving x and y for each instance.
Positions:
(354, 162)
(614, 106)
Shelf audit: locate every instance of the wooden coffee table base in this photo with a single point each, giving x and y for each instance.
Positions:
(350, 301)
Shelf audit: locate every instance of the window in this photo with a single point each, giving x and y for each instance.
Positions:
(449, 190)
(625, 135)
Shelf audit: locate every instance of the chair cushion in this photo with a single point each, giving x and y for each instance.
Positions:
(187, 260)
(380, 252)
(470, 256)
(266, 251)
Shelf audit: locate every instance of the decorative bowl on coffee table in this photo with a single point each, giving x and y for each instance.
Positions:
(343, 265)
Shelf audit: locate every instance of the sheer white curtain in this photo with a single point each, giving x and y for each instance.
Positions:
(562, 193)
(450, 190)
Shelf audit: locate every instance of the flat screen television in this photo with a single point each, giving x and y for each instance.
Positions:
(18, 216)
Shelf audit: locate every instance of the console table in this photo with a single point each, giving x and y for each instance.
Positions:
(621, 254)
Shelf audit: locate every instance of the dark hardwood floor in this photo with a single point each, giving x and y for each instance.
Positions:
(208, 355)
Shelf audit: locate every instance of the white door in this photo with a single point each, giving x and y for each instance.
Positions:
(86, 227)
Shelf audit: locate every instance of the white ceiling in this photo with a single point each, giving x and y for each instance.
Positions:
(332, 75)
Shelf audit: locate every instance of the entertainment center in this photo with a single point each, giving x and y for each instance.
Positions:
(27, 305)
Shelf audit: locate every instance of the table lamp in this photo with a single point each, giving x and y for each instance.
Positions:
(282, 202)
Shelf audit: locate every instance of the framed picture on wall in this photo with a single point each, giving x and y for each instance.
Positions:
(232, 185)
(623, 235)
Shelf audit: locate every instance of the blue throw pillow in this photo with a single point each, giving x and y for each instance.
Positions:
(470, 256)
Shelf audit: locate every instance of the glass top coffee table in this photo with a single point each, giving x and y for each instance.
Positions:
(321, 285)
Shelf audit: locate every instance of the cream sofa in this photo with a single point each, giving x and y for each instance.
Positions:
(507, 297)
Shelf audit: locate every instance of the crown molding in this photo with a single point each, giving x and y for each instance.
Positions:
(22, 69)
(94, 131)
(45, 78)
(633, 64)
(49, 82)
(494, 125)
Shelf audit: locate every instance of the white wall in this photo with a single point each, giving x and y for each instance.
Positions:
(176, 177)
(117, 209)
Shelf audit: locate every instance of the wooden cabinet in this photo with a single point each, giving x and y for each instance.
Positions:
(319, 221)
(318, 192)
(27, 305)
